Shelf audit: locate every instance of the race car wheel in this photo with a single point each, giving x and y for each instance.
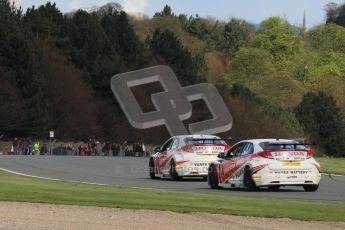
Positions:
(248, 181)
(273, 188)
(310, 188)
(152, 169)
(212, 177)
(173, 173)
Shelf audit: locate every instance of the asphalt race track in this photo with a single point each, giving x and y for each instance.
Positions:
(133, 172)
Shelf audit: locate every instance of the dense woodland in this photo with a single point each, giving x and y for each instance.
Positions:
(278, 81)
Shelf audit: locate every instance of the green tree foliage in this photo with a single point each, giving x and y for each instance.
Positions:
(208, 30)
(192, 43)
(328, 64)
(253, 68)
(271, 63)
(286, 117)
(251, 64)
(102, 45)
(329, 37)
(11, 107)
(91, 49)
(198, 27)
(335, 14)
(325, 49)
(45, 21)
(167, 46)
(236, 34)
(123, 37)
(211, 32)
(167, 11)
(322, 120)
(278, 37)
(22, 62)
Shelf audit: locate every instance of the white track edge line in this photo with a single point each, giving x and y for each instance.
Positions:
(90, 183)
(81, 182)
(48, 178)
(327, 174)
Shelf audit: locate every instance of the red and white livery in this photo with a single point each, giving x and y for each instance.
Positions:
(186, 156)
(268, 163)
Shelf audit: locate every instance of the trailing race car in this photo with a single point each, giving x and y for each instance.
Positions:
(268, 163)
(186, 156)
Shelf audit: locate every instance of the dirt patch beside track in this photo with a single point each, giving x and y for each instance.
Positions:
(45, 216)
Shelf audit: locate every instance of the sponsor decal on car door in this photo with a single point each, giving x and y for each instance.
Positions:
(164, 156)
(233, 168)
(164, 159)
(225, 169)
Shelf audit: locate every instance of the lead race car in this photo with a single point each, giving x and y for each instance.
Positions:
(268, 163)
(186, 156)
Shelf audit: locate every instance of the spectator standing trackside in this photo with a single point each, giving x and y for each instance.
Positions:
(94, 147)
(144, 149)
(103, 149)
(113, 149)
(107, 148)
(43, 150)
(30, 149)
(37, 148)
(124, 148)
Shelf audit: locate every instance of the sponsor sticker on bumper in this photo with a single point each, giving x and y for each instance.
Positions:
(201, 164)
(291, 172)
(208, 158)
(294, 163)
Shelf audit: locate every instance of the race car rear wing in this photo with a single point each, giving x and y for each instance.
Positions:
(206, 140)
(285, 145)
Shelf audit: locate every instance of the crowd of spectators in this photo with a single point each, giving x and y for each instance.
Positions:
(95, 148)
(25, 146)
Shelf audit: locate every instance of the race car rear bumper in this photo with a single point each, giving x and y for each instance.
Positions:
(276, 179)
(193, 169)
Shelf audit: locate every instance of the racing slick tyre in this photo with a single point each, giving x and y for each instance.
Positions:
(173, 173)
(310, 188)
(152, 169)
(273, 188)
(212, 177)
(248, 182)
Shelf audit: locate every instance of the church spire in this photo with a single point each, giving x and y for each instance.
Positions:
(304, 28)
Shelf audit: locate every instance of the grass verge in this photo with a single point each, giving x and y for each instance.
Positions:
(332, 165)
(26, 189)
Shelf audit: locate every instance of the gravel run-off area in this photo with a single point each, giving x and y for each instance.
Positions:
(46, 216)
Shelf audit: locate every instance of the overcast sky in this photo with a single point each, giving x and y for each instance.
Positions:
(252, 10)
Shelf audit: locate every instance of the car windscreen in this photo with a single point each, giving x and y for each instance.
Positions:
(282, 146)
(198, 141)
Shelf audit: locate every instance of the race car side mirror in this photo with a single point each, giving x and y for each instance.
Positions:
(221, 155)
(231, 155)
(157, 149)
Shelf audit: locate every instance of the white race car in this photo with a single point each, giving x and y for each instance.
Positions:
(268, 163)
(186, 156)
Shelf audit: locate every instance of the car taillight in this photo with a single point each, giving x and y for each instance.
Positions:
(310, 154)
(227, 148)
(266, 154)
(188, 148)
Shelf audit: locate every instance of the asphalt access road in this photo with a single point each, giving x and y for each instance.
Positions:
(133, 172)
